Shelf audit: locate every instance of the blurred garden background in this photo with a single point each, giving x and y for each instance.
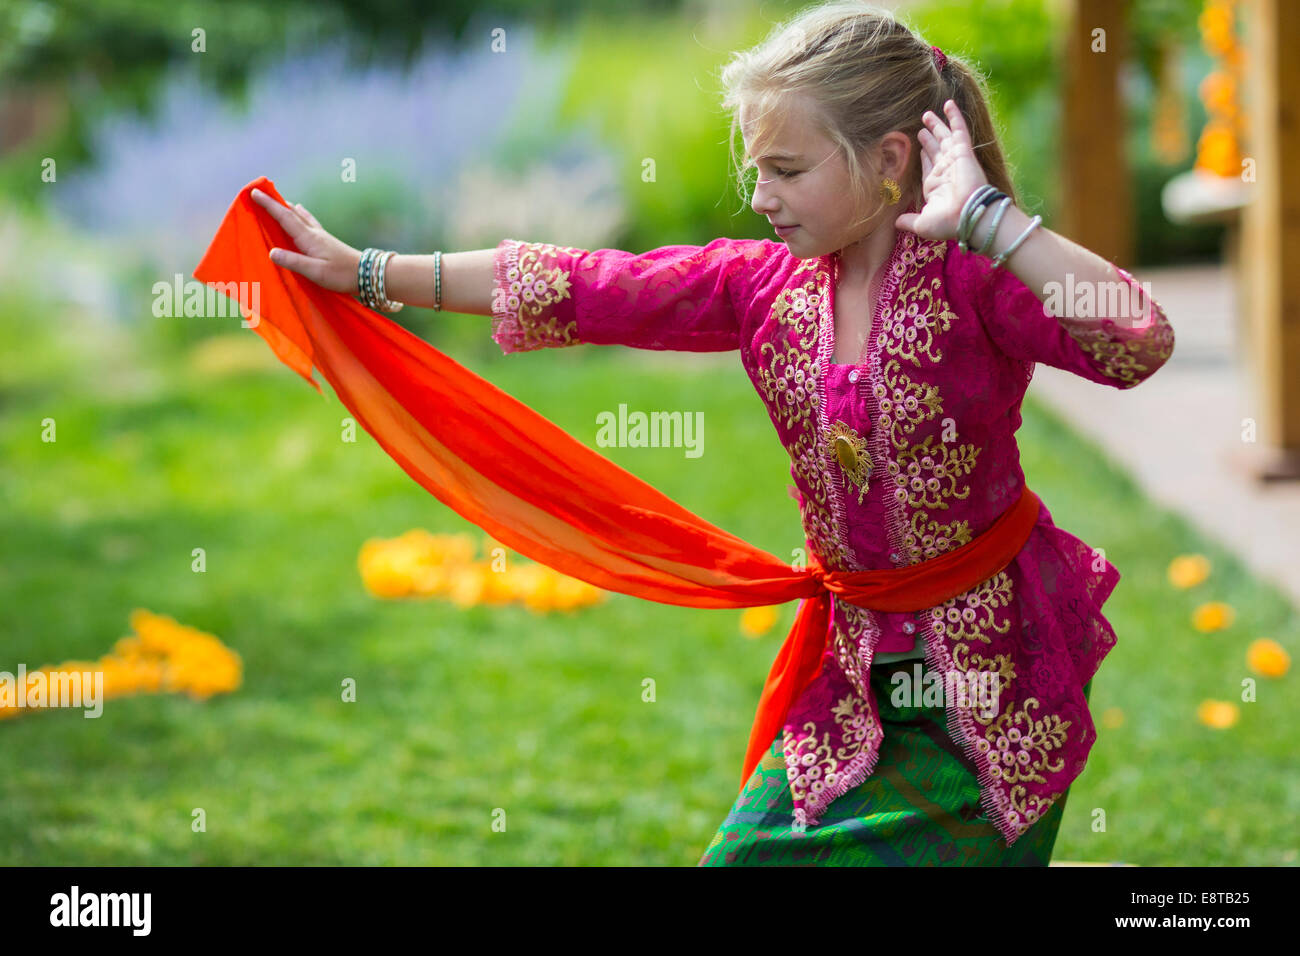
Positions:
(183, 433)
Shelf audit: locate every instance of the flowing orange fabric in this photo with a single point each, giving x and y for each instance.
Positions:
(538, 490)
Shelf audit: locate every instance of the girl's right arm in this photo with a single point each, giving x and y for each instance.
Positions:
(332, 264)
(679, 297)
(466, 281)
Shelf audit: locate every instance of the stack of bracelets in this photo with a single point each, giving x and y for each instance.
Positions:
(979, 200)
(370, 280)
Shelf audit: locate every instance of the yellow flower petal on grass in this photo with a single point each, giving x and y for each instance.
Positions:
(573, 593)
(757, 621)
(500, 587)
(1219, 714)
(540, 598)
(454, 548)
(1267, 658)
(468, 585)
(389, 573)
(429, 579)
(1213, 616)
(1188, 570)
(1112, 718)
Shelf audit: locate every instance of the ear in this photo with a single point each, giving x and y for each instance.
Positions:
(895, 153)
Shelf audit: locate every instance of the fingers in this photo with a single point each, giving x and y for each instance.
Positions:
(293, 223)
(935, 158)
(940, 130)
(955, 118)
(311, 220)
(936, 126)
(303, 265)
(929, 145)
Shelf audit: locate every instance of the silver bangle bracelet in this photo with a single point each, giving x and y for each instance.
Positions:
(964, 221)
(363, 277)
(386, 304)
(1006, 253)
(437, 281)
(371, 271)
(997, 221)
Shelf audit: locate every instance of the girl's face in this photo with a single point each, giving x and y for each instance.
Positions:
(804, 182)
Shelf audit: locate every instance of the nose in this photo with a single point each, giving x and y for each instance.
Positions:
(763, 202)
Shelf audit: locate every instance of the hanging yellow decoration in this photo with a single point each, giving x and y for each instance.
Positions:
(1219, 150)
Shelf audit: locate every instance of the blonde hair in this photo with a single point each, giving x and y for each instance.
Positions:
(867, 74)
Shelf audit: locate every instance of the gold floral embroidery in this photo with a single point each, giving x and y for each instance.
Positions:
(811, 768)
(925, 474)
(1018, 748)
(1118, 358)
(904, 402)
(969, 616)
(932, 471)
(850, 450)
(787, 376)
(918, 315)
(531, 289)
(820, 527)
(847, 651)
(789, 379)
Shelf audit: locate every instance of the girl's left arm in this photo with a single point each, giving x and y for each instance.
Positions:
(1122, 333)
(1047, 261)
(1051, 300)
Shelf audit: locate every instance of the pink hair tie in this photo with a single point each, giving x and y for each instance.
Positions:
(940, 61)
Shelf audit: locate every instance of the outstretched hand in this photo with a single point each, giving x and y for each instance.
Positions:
(950, 173)
(325, 260)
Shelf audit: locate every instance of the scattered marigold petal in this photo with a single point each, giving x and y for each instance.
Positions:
(756, 621)
(1219, 714)
(1188, 570)
(1267, 657)
(1213, 616)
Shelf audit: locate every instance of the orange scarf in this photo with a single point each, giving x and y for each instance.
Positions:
(538, 490)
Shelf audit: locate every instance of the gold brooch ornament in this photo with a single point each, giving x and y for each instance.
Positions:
(850, 450)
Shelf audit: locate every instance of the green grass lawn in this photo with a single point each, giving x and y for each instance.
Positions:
(459, 713)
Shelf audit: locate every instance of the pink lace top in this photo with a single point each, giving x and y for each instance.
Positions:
(900, 458)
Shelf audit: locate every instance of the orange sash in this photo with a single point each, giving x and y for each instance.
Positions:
(538, 490)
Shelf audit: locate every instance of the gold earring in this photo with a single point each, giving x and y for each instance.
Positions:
(890, 192)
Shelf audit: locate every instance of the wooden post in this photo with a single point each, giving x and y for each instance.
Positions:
(1096, 198)
(1271, 233)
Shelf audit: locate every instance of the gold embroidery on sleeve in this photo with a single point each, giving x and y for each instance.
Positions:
(1119, 359)
(535, 285)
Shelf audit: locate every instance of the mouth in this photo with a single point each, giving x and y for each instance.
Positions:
(784, 230)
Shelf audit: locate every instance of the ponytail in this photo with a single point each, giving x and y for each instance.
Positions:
(971, 96)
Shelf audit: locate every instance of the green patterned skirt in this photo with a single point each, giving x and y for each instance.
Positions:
(919, 807)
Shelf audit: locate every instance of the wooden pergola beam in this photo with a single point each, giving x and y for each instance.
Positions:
(1271, 230)
(1096, 199)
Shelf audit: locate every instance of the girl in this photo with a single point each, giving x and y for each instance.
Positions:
(891, 334)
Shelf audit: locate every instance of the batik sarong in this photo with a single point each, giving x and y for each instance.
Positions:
(920, 807)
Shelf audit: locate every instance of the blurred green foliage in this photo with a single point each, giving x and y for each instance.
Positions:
(644, 79)
(672, 116)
